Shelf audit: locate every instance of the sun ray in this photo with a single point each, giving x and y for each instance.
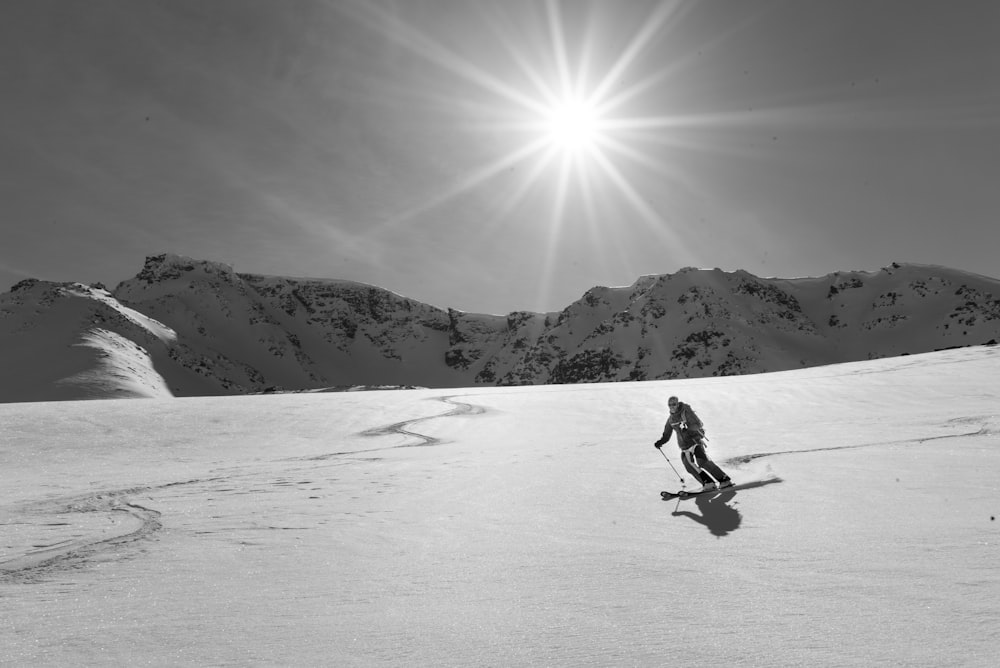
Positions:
(533, 75)
(565, 85)
(608, 105)
(564, 108)
(672, 175)
(600, 233)
(613, 100)
(555, 228)
(470, 182)
(641, 158)
(394, 29)
(647, 214)
(650, 28)
(527, 182)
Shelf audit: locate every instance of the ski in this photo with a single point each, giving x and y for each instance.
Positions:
(684, 494)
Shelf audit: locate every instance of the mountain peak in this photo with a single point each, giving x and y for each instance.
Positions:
(169, 266)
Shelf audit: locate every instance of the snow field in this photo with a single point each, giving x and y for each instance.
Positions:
(511, 526)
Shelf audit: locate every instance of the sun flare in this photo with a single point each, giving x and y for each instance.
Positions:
(557, 105)
(572, 125)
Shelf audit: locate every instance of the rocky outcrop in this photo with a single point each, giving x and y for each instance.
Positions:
(235, 333)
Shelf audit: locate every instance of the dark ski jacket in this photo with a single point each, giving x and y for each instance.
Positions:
(688, 426)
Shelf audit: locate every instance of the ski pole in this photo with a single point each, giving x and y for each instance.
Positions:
(672, 466)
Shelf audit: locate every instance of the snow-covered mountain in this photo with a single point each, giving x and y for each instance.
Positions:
(191, 327)
(71, 341)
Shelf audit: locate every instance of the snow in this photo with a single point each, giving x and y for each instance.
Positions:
(512, 526)
(122, 369)
(154, 327)
(72, 341)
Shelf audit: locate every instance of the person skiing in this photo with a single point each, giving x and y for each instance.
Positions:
(690, 439)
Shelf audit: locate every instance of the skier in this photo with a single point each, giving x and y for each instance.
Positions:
(690, 439)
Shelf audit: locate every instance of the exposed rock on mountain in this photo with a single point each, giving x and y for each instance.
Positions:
(192, 327)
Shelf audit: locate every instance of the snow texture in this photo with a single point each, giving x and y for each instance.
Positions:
(512, 525)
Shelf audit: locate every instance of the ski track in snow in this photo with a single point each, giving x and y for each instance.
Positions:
(460, 408)
(105, 521)
(120, 522)
(745, 459)
(403, 429)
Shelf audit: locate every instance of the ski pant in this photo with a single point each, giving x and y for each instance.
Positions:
(698, 464)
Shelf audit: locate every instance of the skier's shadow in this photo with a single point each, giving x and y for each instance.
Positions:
(717, 515)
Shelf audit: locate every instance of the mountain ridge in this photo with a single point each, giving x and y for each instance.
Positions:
(205, 329)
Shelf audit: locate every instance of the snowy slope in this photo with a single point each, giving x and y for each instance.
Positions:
(71, 341)
(244, 333)
(512, 525)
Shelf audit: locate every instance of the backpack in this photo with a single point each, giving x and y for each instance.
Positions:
(694, 423)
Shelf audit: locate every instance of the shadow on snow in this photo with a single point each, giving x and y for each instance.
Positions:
(714, 510)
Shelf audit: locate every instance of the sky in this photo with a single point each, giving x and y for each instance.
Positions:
(498, 156)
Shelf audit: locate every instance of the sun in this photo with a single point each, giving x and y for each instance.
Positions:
(555, 102)
(572, 126)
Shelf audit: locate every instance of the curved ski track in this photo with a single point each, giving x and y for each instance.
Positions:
(403, 429)
(129, 523)
(460, 408)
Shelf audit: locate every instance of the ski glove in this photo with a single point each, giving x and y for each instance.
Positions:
(658, 445)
